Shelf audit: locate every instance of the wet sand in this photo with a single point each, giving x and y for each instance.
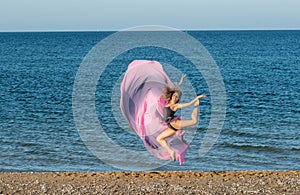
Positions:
(232, 182)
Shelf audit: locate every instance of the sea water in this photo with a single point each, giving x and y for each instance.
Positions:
(260, 70)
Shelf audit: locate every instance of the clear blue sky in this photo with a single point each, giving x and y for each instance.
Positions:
(64, 15)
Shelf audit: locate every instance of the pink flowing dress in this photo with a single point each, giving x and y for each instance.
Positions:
(142, 107)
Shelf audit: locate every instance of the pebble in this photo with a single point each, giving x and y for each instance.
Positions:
(239, 182)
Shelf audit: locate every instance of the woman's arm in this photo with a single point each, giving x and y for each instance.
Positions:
(178, 106)
(181, 80)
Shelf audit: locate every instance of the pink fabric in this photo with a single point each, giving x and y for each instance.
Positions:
(142, 107)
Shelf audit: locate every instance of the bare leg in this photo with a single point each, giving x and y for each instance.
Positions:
(180, 124)
(161, 140)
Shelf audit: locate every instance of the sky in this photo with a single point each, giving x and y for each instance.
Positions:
(102, 15)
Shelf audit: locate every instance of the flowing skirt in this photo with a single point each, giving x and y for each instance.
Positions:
(142, 107)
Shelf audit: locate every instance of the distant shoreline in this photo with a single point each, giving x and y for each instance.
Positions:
(177, 182)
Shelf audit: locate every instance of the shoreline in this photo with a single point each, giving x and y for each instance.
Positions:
(151, 182)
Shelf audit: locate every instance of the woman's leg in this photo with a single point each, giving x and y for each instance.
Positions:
(161, 140)
(181, 124)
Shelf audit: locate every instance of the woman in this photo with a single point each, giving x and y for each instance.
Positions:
(172, 97)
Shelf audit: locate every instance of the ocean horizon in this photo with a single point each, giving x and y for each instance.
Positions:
(260, 70)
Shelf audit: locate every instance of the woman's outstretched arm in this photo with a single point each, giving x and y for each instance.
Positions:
(178, 106)
(181, 80)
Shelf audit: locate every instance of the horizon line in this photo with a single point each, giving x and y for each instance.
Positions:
(115, 30)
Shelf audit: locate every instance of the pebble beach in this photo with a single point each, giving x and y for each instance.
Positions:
(222, 182)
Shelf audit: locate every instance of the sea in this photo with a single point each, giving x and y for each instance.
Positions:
(260, 70)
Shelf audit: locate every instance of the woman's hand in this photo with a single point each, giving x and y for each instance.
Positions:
(178, 106)
(183, 77)
(201, 96)
(181, 80)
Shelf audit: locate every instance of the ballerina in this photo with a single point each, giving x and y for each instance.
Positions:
(172, 97)
(143, 107)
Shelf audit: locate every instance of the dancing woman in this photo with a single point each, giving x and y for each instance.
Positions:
(172, 97)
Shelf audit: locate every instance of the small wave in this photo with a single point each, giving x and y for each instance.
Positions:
(261, 148)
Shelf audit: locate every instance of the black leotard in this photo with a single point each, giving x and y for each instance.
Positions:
(169, 116)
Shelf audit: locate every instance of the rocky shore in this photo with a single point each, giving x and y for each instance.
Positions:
(232, 182)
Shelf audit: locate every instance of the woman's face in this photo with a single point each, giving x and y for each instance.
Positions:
(175, 97)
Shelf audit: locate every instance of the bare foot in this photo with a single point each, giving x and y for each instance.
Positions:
(172, 154)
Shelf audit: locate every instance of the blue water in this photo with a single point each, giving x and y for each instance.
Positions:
(261, 74)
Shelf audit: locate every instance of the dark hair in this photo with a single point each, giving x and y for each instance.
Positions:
(168, 93)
